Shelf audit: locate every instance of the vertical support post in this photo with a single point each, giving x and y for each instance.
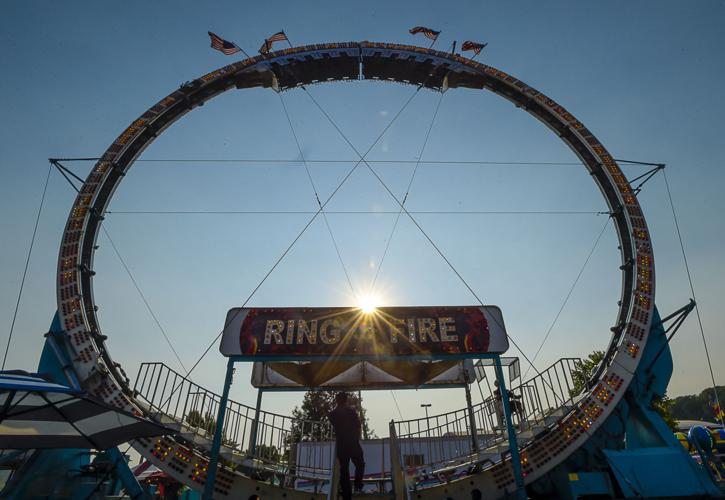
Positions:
(124, 474)
(427, 432)
(513, 445)
(381, 484)
(471, 416)
(255, 424)
(333, 493)
(398, 476)
(217, 442)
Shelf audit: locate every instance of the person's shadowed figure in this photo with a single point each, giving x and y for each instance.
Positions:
(346, 424)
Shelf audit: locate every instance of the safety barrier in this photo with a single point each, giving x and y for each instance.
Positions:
(440, 447)
(300, 453)
(266, 443)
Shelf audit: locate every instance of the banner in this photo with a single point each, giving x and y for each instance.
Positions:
(351, 334)
(362, 375)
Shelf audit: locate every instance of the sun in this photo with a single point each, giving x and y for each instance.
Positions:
(368, 303)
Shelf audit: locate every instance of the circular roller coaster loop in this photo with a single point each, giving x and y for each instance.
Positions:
(329, 62)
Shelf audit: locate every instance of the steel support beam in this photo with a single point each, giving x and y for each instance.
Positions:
(218, 431)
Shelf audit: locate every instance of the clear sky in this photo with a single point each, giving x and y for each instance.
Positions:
(646, 77)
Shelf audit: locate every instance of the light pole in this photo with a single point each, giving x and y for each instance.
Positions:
(426, 406)
(427, 429)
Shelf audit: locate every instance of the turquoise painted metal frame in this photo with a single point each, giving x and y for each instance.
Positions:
(221, 414)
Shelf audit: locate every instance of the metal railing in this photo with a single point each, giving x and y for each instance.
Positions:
(440, 447)
(300, 453)
(278, 444)
(550, 390)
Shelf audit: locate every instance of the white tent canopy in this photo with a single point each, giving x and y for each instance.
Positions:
(36, 413)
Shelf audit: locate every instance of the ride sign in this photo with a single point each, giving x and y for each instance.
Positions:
(346, 333)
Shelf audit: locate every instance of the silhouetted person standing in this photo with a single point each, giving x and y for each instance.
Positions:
(348, 430)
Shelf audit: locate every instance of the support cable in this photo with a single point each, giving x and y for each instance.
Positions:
(692, 290)
(324, 204)
(311, 160)
(397, 406)
(647, 176)
(67, 170)
(63, 171)
(82, 158)
(425, 234)
(362, 159)
(397, 217)
(317, 196)
(568, 296)
(27, 264)
(680, 316)
(146, 302)
(644, 163)
(407, 192)
(356, 212)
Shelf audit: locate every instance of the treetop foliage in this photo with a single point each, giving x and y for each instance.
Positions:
(697, 406)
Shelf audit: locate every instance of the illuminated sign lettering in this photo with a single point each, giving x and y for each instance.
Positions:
(350, 333)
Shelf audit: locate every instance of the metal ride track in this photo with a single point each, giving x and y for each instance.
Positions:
(330, 62)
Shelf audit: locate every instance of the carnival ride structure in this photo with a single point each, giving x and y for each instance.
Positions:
(588, 443)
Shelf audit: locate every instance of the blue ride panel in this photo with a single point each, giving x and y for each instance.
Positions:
(658, 472)
(590, 483)
(635, 446)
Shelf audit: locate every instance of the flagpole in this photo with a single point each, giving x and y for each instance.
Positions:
(477, 48)
(287, 38)
(222, 48)
(475, 54)
(268, 44)
(427, 32)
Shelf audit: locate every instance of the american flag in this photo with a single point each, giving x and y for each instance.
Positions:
(432, 34)
(475, 47)
(267, 45)
(218, 43)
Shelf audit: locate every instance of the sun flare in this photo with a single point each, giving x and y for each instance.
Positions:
(368, 303)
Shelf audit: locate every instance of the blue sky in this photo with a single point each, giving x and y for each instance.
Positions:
(646, 77)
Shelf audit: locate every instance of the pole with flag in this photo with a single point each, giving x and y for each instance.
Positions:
(277, 37)
(427, 32)
(474, 46)
(224, 46)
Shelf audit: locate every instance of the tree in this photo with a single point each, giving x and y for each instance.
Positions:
(267, 452)
(204, 422)
(697, 406)
(207, 424)
(663, 406)
(583, 371)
